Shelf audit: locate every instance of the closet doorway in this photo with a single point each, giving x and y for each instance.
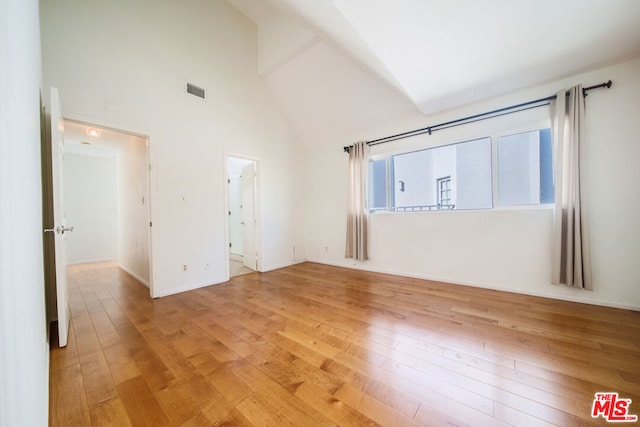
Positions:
(241, 179)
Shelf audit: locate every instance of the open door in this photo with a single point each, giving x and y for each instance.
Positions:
(59, 229)
(249, 216)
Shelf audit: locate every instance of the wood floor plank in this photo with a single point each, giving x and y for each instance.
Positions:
(301, 368)
(141, 405)
(229, 385)
(98, 382)
(220, 413)
(332, 407)
(155, 372)
(161, 345)
(259, 413)
(529, 400)
(314, 345)
(178, 403)
(282, 373)
(418, 385)
(111, 413)
(121, 364)
(68, 401)
(228, 339)
(276, 396)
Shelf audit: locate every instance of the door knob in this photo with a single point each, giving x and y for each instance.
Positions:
(59, 229)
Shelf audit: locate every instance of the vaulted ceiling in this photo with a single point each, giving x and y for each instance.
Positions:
(371, 60)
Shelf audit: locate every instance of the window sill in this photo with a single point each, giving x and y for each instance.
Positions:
(548, 206)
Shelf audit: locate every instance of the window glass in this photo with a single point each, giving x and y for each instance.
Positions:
(547, 191)
(378, 184)
(474, 189)
(525, 169)
(458, 174)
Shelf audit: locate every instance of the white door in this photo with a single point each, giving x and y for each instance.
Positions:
(249, 215)
(57, 157)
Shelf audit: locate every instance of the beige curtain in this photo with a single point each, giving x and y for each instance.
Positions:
(571, 263)
(357, 216)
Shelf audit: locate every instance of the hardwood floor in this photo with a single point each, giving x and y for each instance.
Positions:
(313, 345)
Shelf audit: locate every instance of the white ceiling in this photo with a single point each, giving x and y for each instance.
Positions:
(107, 143)
(445, 53)
(432, 55)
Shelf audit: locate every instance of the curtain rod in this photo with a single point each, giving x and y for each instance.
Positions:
(477, 117)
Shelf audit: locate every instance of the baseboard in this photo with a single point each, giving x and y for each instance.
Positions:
(284, 265)
(134, 275)
(90, 261)
(568, 298)
(187, 288)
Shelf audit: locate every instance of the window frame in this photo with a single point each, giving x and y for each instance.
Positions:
(439, 190)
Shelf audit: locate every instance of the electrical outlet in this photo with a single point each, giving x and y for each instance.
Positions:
(207, 266)
(184, 267)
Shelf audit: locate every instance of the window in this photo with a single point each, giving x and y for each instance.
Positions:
(525, 171)
(464, 173)
(466, 166)
(444, 193)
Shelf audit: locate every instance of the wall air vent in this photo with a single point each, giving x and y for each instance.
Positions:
(196, 91)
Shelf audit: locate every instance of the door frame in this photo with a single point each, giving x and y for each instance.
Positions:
(257, 208)
(151, 180)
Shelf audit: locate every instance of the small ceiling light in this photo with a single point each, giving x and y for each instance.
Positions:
(85, 143)
(93, 132)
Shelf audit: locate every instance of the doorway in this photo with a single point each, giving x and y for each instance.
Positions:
(106, 178)
(241, 180)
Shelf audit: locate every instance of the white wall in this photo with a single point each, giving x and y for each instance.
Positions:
(90, 195)
(133, 209)
(24, 353)
(279, 38)
(501, 248)
(124, 64)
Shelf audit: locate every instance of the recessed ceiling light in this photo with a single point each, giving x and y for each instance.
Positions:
(93, 132)
(85, 143)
